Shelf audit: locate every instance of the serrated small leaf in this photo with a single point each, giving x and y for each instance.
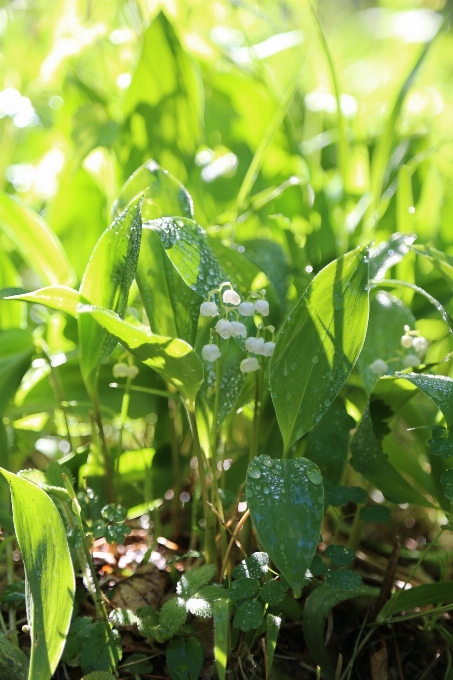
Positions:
(447, 477)
(101, 649)
(449, 492)
(98, 528)
(344, 579)
(172, 616)
(339, 555)
(13, 662)
(243, 588)
(441, 447)
(375, 513)
(201, 604)
(249, 615)
(195, 579)
(317, 566)
(136, 664)
(15, 592)
(75, 637)
(184, 659)
(122, 618)
(255, 566)
(342, 495)
(114, 513)
(273, 592)
(147, 620)
(116, 533)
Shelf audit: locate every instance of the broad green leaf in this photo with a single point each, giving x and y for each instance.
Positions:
(388, 254)
(172, 358)
(35, 242)
(439, 388)
(343, 579)
(273, 624)
(339, 555)
(319, 344)
(418, 596)
(165, 196)
(221, 635)
(184, 659)
(342, 495)
(13, 662)
(386, 311)
(286, 503)
(10, 313)
(328, 442)
(369, 459)
(163, 108)
(273, 592)
(249, 615)
(106, 282)
(62, 298)
(49, 573)
(16, 351)
(172, 616)
(187, 247)
(317, 608)
(441, 261)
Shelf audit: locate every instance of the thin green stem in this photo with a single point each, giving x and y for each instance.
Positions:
(109, 476)
(10, 580)
(173, 413)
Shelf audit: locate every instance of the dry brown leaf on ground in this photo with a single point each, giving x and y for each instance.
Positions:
(144, 589)
(378, 664)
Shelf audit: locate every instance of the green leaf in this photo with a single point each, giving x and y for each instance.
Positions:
(16, 351)
(99, 675)
(328, 442)
(319, 344)
(273, 592)
(439, 388)
(106, 282)
(273, 624)
(221, 635)
(62, 298)
(136, 664)
(172, 616)
(447, 477)
(163, 108)
(191, 582)
(369, 459)
(13, 662)
(317, 608)
(11, 315)
(172, 358)
(339, 555)
(286, 503)
(202, 603)
(35, 242)
(101, 649)
(249, 615)
(48, 573)
(75, 637)
(441, 447)
(184, 659)
(187, 247)
(418, 596)
(388, 254)
(386, 311)
(243, 588)
(344, 579)
(342, 495)
(317, 567)
(256, 566)
(375, 513)
(165, 196)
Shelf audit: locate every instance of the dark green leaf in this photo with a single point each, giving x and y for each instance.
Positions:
(273, 592)
(342, 495)
(99, 675)
(441, 447)
(243, 588)
(249, 615)
(16, 351)
(446, 477)
(376, 513)
(101, 649)
(256, 566)
(172, 616)
(317, 567)
(319, 344)
(344, 579)
(13, 662)
(439, 388)
(123, 618)
(136, 664)
(184, 659)
(339, 555)
(116, 533)
(76, 636)
(191, 582)
(114, 513)
(286, 503)
(15, 592)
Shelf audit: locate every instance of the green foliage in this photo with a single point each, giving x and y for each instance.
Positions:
(375, 513)
(13, 662)
(184, 659)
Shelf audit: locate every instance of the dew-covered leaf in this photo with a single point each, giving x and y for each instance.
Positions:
(369, 459)
(256, 566)
(339, 555)
(106, 282)
(439, 388)
(344, 579)
(172, 358)
(317, 608)
(388, 254)
(243, 588)
(249, 615)
(191, 582)
(441, 447)
(286, 503)
(375, 513)
(317, 566)
(319, 344)
(447, 477)
(342, 495)
(273, 592)
(184, 659)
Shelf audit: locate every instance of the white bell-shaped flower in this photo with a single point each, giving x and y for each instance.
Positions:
(210, 352)
(268, 349)
(420, 345)
(224, 328)
(406, 341)
(230, 297)
(209, 309)
(255, 345)
(411, 360)
(239, 330)
(246, 308)
(120, 370)
(262, 307)
(379, 367)
(249, 365)
(132, 372)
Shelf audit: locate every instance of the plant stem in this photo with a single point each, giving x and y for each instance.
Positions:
(10, 580)
(109, 477)
(173, 413)
(253, 451)
(356, 533)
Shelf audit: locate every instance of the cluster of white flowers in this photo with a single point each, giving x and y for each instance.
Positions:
(410, 340)
(236, 329)
(123, 370)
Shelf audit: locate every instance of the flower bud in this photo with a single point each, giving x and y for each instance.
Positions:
(210, 352)
(255, 345)
(209, 309)
(132, 372)
(120, 370)
(406, 341)
(246, 308)
(379, 367)
(224, 329)
(249, 365)
(239, 330)
(420, 345)
(268, 349)
(411, 360)
(262, 307)
(230, 297)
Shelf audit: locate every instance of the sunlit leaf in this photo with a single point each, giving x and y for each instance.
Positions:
(62, 298)
(439, 388)
(418, 596)
(16, 351)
